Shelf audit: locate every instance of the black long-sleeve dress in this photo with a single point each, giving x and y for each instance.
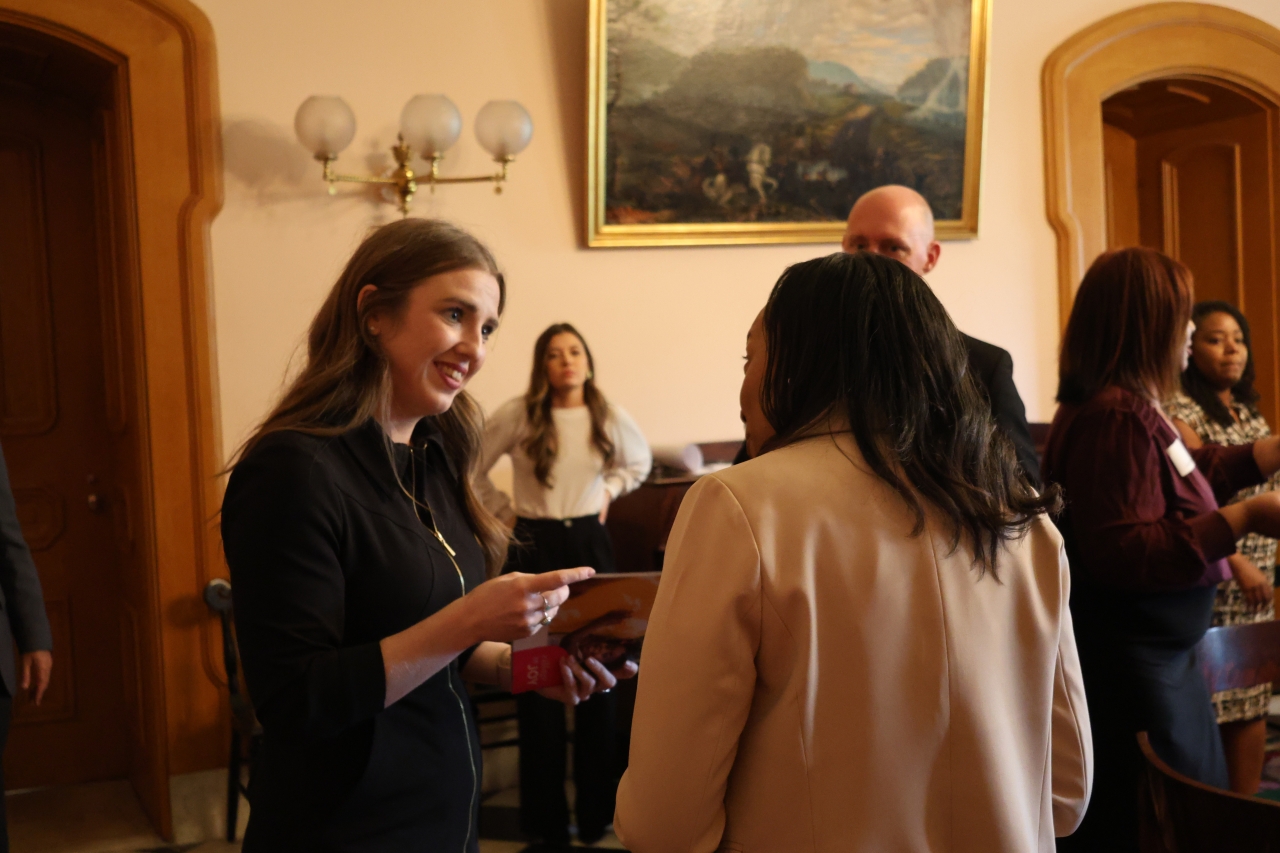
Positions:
(327, 558)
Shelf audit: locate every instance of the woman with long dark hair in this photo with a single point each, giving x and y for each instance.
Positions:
(1146, 538)
(359, 552)
(861, 640)
(572, 452)
(1218, 405)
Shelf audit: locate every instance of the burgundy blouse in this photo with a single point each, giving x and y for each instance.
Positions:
(1132, 521)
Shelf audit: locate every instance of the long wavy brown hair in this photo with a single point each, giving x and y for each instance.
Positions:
(346, 381)
(543, 444)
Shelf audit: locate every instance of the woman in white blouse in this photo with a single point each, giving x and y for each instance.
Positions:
(861, 640)
(572, 452)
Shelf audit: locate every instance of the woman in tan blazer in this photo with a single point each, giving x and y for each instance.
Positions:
(861, 641)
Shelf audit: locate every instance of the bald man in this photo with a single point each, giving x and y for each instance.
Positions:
(896, 222)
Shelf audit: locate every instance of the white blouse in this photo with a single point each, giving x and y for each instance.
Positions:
(579, 481)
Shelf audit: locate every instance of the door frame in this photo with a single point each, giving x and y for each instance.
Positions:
(1144, 43)
(169, 182)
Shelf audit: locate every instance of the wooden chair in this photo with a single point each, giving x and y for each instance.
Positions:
(1180, 815)
(246, 731)
(1240, 655)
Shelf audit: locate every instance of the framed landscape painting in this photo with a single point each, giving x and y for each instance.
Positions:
(761, 121)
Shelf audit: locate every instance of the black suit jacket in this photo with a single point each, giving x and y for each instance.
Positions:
(993, 368)
(22, 614)
(327, 558)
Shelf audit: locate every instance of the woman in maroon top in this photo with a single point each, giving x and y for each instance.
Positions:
(1146, 539)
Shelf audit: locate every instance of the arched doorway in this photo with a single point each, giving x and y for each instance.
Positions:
(139, 81)
(1187, 160)
(1189, 41)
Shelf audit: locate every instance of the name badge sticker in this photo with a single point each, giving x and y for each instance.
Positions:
(1181, 458)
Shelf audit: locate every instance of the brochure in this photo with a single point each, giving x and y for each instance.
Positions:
(605, 617)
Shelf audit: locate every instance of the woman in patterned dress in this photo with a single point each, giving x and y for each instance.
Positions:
(1218, 406)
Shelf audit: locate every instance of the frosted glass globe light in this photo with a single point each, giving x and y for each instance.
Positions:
(504, 128)
(325, 125)
(430, 124)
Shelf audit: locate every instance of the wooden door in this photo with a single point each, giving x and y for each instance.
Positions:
(1120, 156)
(56, 430)
(1191, 171)
(1205, 198)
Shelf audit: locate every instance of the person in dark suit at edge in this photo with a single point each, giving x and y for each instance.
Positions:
(22, 619)
(896, 222)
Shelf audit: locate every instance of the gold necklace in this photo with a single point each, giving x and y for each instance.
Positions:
(413, 478)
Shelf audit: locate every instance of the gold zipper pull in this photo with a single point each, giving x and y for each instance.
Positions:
(440, 536)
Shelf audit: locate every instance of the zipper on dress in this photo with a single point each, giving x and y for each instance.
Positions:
(462, 707)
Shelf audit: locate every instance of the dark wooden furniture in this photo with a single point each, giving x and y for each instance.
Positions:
(246, 731)
(1240, 655)
(1180, 815)
(640, 522)
(1040, 436)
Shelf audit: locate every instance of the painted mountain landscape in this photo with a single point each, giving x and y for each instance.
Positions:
(735, 111)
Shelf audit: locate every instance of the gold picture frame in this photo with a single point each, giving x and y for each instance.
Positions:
(603, 233)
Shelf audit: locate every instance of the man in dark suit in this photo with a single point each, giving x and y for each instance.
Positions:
(22, 619)
(896, 222)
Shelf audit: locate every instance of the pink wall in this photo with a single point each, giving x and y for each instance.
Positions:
(666, 325)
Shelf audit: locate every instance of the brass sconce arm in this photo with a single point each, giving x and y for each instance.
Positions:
(406, 181)
(497, 178)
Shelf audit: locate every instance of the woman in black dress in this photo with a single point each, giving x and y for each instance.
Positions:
(358, 557)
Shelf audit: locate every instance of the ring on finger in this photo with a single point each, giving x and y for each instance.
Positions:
(546, 609)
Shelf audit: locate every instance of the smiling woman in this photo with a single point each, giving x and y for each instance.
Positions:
(1219, 405)
(436, 343)
(358, 555)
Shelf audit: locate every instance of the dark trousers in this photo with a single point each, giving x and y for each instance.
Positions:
(6, 710)
(544, 545)
(544, 808)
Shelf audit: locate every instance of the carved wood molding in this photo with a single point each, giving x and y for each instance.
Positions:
(1144, 43)
(166, 99)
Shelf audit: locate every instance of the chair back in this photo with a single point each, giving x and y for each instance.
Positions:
(217, 595)
(1181, 815)
(1240, 655)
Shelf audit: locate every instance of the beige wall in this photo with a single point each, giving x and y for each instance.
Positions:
(667, 325)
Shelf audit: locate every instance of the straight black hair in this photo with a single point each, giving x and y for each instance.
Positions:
(862, 338)
(1198, 387)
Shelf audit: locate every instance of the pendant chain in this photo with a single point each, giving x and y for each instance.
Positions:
(413, 480)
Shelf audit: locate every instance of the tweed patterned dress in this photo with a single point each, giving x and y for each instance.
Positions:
(1230, 607)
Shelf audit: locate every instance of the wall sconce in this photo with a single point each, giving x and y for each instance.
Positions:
(429, 126)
